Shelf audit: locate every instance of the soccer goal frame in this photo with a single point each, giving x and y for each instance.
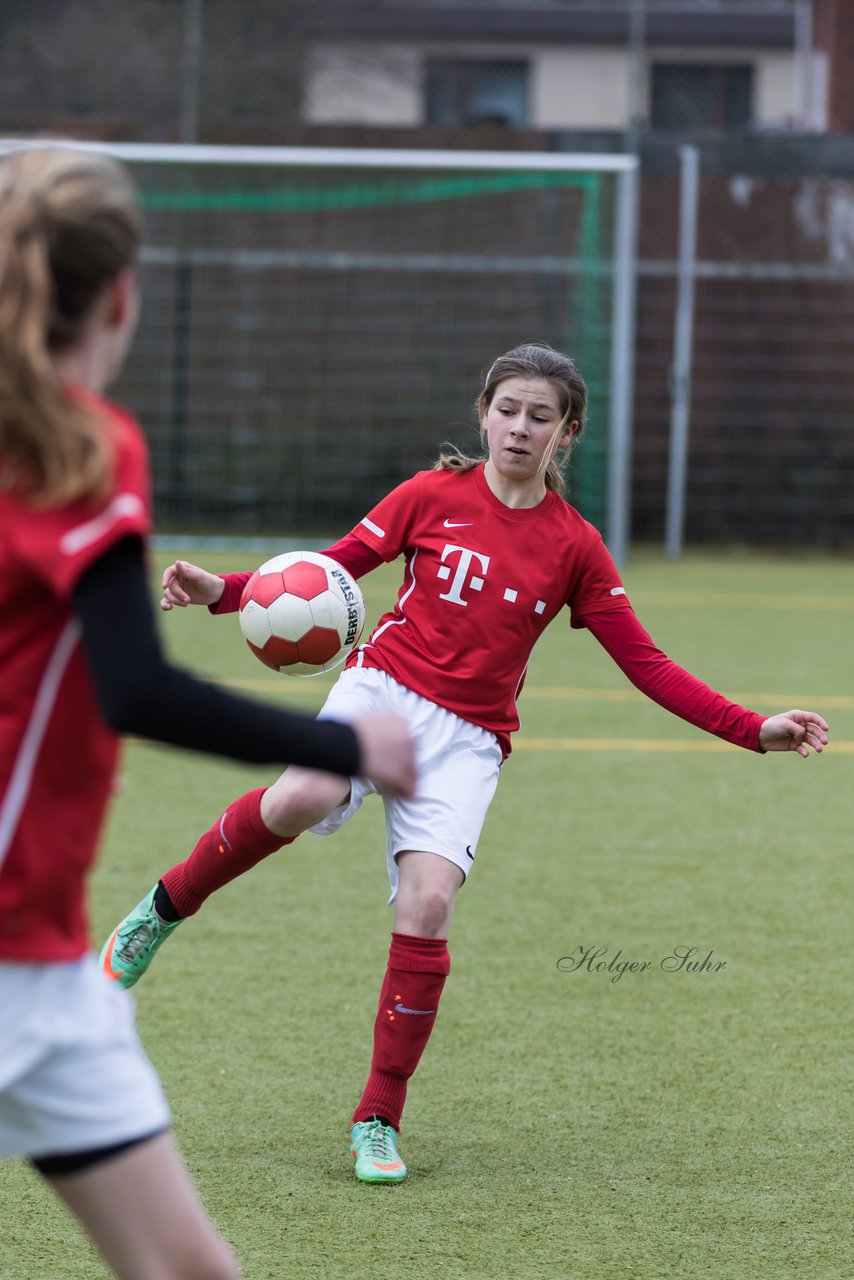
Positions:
(623, 259)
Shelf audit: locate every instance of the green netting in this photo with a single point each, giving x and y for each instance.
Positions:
(311, 336)
(362, 196)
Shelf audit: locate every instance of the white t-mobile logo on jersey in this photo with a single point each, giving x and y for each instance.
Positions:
(462, 572)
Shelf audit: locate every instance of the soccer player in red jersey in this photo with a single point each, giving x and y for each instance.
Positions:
(492, 554)
(80, 660)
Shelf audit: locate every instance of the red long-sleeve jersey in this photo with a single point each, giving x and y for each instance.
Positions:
(481, 583)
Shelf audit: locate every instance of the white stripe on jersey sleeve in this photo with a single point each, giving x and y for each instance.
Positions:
(83, 535)
(374, 528)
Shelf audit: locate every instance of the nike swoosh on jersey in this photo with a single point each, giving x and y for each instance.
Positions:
(401, 1008)
(451, 524)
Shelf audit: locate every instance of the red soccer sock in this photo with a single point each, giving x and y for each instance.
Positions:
(234, 843)
(409, 999)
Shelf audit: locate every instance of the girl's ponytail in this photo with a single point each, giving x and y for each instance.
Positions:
(69, 224)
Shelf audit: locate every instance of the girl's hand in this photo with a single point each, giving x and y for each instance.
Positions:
(794, 731)
(184, 583)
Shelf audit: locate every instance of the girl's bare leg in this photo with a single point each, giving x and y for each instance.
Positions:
(144, 1216)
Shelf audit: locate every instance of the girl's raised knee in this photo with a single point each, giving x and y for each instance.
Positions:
(297, 803)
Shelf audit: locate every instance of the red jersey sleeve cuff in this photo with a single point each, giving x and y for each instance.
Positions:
(759, 721)
(229, 601)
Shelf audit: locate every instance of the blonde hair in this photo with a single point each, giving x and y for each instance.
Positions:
(537, 360)
(69, 224)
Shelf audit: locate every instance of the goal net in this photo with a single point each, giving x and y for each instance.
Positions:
(316, 322)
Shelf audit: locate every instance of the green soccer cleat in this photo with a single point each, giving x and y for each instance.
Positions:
(132, 945)
(374, 1148)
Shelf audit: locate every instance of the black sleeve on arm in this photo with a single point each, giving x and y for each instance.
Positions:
(140, 692)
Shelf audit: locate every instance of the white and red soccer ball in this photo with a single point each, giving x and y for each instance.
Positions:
(301, 613)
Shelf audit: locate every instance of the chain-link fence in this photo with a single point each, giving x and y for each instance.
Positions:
(770, 429)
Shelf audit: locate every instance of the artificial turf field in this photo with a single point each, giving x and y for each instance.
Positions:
(562, 1123)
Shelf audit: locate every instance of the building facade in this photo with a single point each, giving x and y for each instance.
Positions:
(560, 66)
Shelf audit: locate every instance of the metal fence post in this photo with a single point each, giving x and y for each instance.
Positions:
(191, 70)
(683, 335)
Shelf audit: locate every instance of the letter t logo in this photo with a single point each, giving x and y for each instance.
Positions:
(462, 571)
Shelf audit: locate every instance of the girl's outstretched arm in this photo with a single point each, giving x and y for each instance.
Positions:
(623, 637)
(185, 583)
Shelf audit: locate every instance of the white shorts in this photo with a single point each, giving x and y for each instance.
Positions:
(73, 1074)
(458, 765)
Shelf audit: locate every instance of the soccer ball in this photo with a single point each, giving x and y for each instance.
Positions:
(301, 613)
